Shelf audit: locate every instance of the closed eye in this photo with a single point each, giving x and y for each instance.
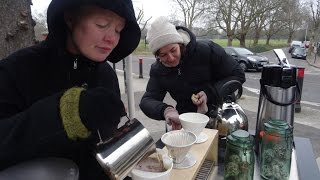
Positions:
(102, 25)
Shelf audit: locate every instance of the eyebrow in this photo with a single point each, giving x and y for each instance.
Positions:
(173, 48)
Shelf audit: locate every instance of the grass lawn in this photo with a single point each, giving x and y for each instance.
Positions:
(143, 49)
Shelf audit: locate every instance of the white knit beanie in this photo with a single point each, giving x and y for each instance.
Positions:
(162, 33)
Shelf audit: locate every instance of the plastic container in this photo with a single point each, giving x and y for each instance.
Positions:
(239, 158)
(276, 150)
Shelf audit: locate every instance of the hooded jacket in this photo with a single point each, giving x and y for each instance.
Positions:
(204, 66)
(33, 80)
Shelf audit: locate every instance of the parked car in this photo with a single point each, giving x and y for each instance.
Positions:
(299, 53)
(246, 58)
(293, 47)
(295, 44)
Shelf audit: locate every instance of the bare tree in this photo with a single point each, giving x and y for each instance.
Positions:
(16, 26)
(140, 19)
(40, 29)
(274, 24)
(227, 17)
(293, 17)
(249, 11)
(192, 10)
(315, 20)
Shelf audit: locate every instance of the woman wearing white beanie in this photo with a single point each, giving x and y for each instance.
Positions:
(185, 68)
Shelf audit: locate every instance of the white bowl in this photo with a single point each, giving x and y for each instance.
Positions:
(137, 174)
(178, 143)
(194, 122)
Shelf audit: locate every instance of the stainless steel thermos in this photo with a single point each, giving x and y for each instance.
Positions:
(278, 88)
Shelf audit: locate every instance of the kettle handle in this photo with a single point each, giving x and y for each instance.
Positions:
(229, 88)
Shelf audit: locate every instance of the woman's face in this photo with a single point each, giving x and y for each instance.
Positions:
(170, 55)
(95, 32)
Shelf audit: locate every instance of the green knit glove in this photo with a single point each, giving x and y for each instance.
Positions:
(69, 112)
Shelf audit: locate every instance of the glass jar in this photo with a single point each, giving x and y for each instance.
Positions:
(276, 149)
(239, 157)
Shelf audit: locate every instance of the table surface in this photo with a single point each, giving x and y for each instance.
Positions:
(304, 166)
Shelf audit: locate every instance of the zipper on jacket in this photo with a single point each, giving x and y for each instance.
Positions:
(179, 72)
(75, 63)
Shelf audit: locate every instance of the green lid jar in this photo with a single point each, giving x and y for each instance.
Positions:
(276, 149)
(239, 157)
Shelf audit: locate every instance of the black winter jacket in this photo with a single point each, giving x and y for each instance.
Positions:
(32, 81)
(203, 67)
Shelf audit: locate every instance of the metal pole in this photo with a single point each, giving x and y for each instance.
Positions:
(140, 68)
(305, 36)
(124, 75)
(315, 54)
(130, 93)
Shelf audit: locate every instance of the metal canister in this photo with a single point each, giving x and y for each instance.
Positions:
(276, 150)
(239, 158)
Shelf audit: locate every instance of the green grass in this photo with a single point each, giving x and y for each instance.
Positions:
(261, 47)
(143, 49)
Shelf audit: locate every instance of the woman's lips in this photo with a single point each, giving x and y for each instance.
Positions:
(104, 49)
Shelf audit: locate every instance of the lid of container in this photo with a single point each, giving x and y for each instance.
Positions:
(279, 126)
(278, 76)
(240, 138)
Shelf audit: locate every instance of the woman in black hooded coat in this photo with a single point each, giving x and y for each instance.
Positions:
(55, 95)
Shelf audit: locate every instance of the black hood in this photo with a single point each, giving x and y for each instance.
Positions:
(129, 37)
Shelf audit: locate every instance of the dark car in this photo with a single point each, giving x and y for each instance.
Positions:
(293, 47)
(299, 53)
(246, 58)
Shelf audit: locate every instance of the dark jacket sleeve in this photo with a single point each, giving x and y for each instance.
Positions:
(25, 132)
(223, 68)
(151, 102)
(32, 131)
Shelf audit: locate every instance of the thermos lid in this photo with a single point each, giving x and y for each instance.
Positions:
(278, 76)
(281, 127)
(240, 138)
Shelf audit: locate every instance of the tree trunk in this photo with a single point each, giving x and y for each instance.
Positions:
(242, 40)
(256, 37)
(311, 46)
(290, 38)
(230, 39)
(16, 26)
(268, 40)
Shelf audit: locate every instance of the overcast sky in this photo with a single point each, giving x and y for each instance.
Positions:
(154, 8)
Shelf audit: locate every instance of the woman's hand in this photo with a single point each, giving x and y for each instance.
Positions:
(200, 100)
(172, 118)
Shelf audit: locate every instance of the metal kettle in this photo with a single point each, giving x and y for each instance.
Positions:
(230, 116)
(119, 154)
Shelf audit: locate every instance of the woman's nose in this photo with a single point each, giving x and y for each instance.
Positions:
(170, 57)
(111, 36)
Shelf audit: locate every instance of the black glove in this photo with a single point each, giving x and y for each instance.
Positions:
(83, 112)
(101, 109)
